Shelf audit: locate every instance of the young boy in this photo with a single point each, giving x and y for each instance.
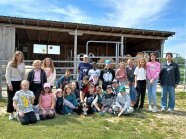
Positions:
(22, 102)
(108, 100)
(83, 87)
(65, 79)
(122, 104)
(115, 86)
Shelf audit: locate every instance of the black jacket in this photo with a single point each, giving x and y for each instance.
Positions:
(169, 74)
(107, 75)
(43, 77)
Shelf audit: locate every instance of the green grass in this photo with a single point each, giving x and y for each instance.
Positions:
(144, 125)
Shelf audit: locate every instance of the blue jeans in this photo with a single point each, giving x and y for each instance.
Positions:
(165, 91)
(133, 95)
(152, 92)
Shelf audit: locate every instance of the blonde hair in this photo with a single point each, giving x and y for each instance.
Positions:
(25, 81)
(139, 63)
(51, 64)
(65, 88)
(14, 60)
(36, 62)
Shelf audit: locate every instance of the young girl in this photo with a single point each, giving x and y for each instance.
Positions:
(22, 102)
(48, 67)
(121, 74)
(140, 82)
(153, 70)
(47, 103)
(60, 102)
(36, 77)
(68, 95)
(75, 91)
(15, 73)
(130, 68)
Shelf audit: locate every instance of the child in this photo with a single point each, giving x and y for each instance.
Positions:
(108, 100)
(115, 86)
(140, 82)
(36, 77)
(121, 74)
(60, 102)
(153, 70)
(83, 87)
(130, 68)
(22, 102)
(48, 67)
(94, 74)
(47, 103)
(122, 104)
(65, 79)
(107, 75)
(68, 95)
(75, 91)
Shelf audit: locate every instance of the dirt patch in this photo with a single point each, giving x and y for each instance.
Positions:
(2, 110)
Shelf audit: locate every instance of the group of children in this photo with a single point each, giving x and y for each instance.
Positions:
(36, 100)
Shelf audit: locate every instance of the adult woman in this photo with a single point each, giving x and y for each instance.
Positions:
(15, 73)
(48, 67)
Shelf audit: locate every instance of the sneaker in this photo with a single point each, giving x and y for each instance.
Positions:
(101, 113)
(11, 116)
(37, 117)
(162, 109)
(155, 109)
(169, 110)
(150, 108)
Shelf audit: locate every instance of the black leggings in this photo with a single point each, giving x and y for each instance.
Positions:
(16, 87)
(28, 118)
(141, 89)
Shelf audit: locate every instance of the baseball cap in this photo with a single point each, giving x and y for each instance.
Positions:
(85, 56)
(46, 85)
(107, 61)
(98, 87)
(115, 81)
(122, 89)
(109, 86)
(59, 90)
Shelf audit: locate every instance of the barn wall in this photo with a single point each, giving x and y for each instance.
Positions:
(7, 42)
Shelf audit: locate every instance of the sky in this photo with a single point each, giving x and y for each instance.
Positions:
(164, 15)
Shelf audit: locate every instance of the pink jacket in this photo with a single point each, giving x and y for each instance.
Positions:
(121, 74)
(153, 70)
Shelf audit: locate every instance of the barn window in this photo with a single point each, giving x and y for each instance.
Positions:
(46, 49)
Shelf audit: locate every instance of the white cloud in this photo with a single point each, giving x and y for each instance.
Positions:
(134, 13)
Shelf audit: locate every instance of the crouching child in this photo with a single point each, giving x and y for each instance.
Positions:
(122, 104)
(22, 102)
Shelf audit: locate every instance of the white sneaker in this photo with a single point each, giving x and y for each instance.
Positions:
(37, 117)
(150, 108)
(169, 110)
(155, 109)
(11, 116)
(162, 109)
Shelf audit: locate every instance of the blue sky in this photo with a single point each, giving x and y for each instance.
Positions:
(166, 15)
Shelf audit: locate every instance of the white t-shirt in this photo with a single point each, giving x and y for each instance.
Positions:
(140, 73)
(94, 72)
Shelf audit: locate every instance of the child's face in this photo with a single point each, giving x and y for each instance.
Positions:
(169, 58)
(115, 85)
(73, 85)
(47, 89)
(109, 90)
(142, 63)
(68, 91)
(67, 73)
(47, 62)
(59, 94)
(94, 66)
(91, 90)
(19, 57)
(37, 66)
(123, 93)
(85, 82)
(24, 86)
(99, 90)
(130, 63)
(122, 65)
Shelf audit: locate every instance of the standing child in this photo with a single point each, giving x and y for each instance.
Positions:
(121, 74)
(122, 104)
(153, 70)
(140, 82)
(22, 102)
(68, 95)
(130, 68)
(61, 102)
(108, 100)
(94, 74)
(47, 103)
(48, 67)
(65, 79)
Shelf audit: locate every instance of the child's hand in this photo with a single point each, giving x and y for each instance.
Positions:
(151, 81)
(21, 114)
(10, 88)
(51, 112)
(43, 112)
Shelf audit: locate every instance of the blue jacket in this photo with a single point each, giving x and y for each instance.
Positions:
(169, 74)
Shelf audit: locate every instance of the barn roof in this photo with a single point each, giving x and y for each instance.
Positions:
(81, 26)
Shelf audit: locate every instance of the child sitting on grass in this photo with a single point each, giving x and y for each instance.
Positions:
(122, 104)
(47, 103)
(108, 100)
(22, 102)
